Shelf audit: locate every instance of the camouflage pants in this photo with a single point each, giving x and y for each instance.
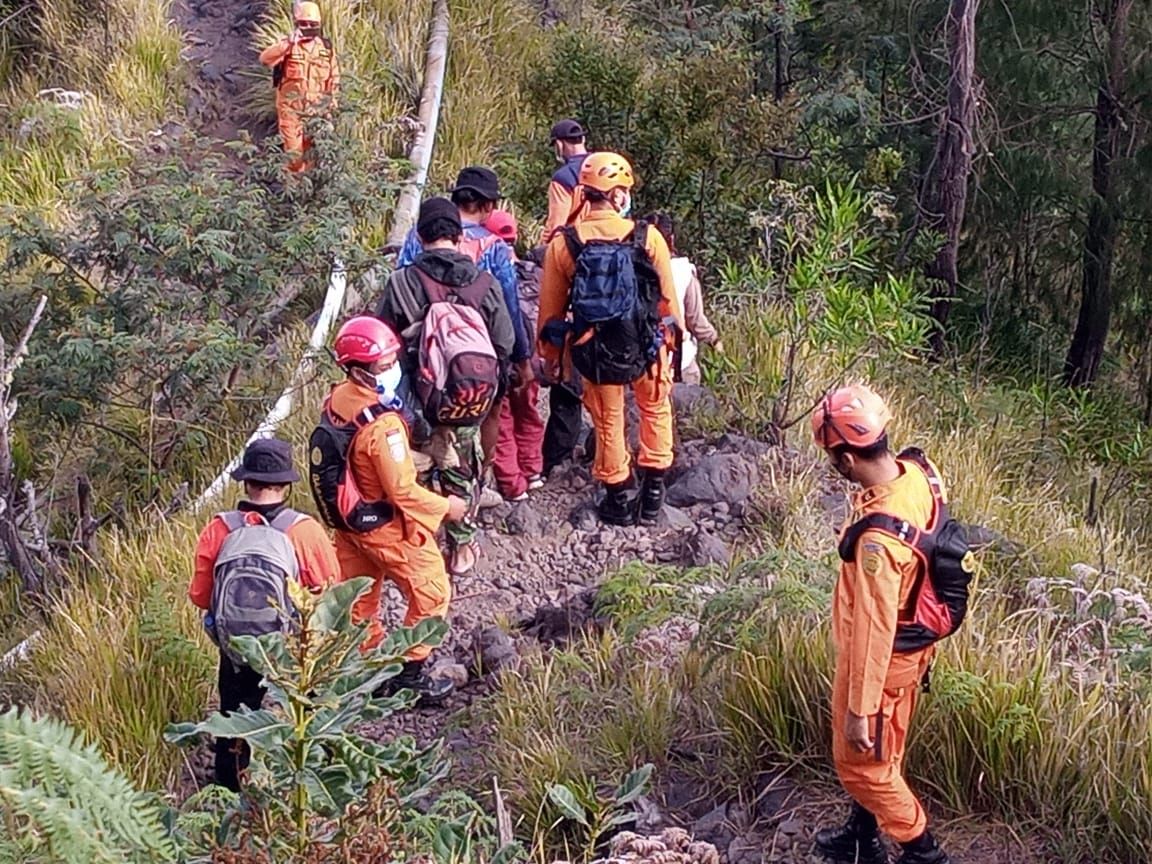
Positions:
(457, 469)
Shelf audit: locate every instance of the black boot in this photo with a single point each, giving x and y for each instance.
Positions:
(619, 504)
(856, 842)
(651, 496)
(923, 850)
(430, 692)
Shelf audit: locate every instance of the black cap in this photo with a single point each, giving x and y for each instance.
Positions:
(434, 209)
(566, 130)
(482, 181)
(267, 460)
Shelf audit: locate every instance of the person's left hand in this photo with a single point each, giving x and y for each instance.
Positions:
(856, 731)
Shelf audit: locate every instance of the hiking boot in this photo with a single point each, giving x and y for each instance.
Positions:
(923, 850)
(619, 504)
(489, 498)
(429, 691)
(651, 496)
(855, 842)
(535, 481)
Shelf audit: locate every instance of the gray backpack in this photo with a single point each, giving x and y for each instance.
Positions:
(250, 578)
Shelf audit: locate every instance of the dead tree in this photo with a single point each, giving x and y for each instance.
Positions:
(1082, 362)
(944, 194)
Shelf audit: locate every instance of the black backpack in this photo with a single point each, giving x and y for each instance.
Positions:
(938, 601)
(616, 331)
(334, 488)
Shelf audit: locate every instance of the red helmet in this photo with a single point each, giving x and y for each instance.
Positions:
(365, 339)
(502, 224)
(853, 416)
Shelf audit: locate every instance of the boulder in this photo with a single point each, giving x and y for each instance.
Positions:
(727, 477)
(689, 399)
(705, 548)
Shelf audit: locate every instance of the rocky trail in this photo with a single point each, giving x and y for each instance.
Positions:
(222, 62)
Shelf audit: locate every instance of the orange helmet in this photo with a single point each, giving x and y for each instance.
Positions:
(606, 171)
(854, 416)
(307, 12)
(365, 339)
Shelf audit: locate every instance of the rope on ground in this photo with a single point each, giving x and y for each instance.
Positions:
(333, 303)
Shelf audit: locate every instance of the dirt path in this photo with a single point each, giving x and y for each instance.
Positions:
(223, 64)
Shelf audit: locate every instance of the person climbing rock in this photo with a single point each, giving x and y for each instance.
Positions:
(306, 75)
(697, 327)
(476, 194)
(253, 551)
(518, 460)
(564, 197)
(614, 276)
(364, 483)
(444, 301)
(874, 686)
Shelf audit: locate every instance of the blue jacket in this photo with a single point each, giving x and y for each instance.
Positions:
(497, 260)
(568, 174)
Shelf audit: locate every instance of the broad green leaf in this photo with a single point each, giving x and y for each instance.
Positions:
(566, 803)
(261, 729)
(333, 610)
(633, 786)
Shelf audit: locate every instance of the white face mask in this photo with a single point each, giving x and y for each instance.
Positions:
(388, 382)
(625, 208)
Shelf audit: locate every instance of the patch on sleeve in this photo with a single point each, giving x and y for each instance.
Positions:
(871, 558)
(397, 446)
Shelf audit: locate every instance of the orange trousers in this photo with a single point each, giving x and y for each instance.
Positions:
(290, 113)
(875, 779)
(413, 562)
(606, 404)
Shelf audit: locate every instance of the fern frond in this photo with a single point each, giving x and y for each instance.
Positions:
(66, 803)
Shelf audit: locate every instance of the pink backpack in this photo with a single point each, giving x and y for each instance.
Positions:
(459, 372)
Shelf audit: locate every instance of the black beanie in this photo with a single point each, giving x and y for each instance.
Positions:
(434, 210)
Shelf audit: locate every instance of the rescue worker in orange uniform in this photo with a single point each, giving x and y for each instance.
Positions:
(606, 182)
(403, 549)
(874, 689)
(306, 75)
(564, 197)
(267, 473)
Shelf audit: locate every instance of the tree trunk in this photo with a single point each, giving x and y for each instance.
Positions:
(1082, 364)
(944, 195)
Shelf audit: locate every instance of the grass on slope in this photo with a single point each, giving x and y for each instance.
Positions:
(129, 78)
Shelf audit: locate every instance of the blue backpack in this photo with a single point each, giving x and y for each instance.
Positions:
(616, 331)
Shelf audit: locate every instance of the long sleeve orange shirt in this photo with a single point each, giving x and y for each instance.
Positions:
(314, 554)
(559, 270)
(381, 461)
(311, 69)
(874, 587)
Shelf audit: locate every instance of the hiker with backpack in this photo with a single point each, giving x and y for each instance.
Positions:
(458, 338)
(697, 328)
(903, 586)
(364, 482)
(244, 559)
(306, 75)
(564, 197)
(608, 307)
(518, 460)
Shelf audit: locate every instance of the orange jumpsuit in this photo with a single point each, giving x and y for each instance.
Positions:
(565, 206)
(311, 74)
(605, 402)
(404, 550)
(314, 555)
(870, 680)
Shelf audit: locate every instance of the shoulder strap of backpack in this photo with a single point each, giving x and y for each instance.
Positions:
(369, 414)
(917, 457)
(285, 519)
(640, 237)
(572, 241)
(233, 519)
(885, 523)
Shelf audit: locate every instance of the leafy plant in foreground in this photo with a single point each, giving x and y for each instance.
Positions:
(316, 783)
(595, 813)
(60, 802)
